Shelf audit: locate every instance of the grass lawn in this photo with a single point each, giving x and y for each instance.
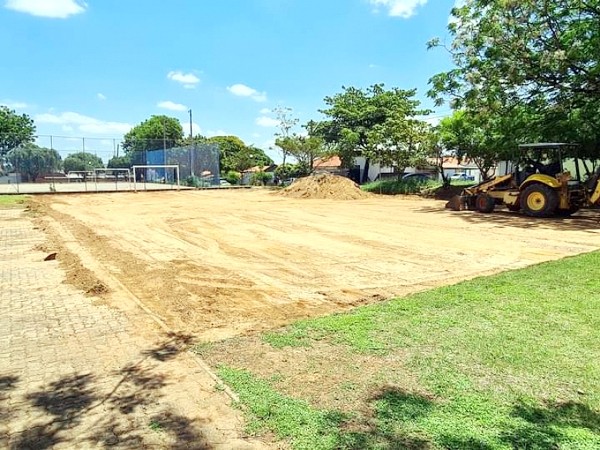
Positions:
(501, 362)
(8, 201)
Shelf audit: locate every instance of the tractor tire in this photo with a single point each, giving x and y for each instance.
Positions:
(539, 200)
(484, 203)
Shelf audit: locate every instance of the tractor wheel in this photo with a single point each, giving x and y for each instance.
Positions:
(539, 200)
(484, 203)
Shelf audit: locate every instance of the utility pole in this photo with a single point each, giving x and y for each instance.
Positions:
(192, 146)
(164, 148)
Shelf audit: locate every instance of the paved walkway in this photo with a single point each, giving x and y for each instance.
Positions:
(76, 373)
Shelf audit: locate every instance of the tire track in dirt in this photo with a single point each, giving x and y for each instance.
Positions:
(219, 264)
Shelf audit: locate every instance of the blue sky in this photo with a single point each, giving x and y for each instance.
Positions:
(93, 69)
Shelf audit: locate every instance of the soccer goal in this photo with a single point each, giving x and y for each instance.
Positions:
(115, 174)
(156, 173)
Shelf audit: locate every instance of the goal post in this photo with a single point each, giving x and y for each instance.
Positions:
(147, 167)
(115, 172)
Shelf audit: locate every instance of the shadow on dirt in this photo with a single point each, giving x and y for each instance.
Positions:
(105, 414)
(585, 220)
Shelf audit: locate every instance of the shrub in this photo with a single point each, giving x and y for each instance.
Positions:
(261, 178)
(233, 177)
(403, 187)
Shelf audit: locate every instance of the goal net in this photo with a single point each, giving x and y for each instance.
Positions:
(155, 174)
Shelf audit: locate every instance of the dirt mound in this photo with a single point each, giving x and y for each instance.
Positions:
(325, 185)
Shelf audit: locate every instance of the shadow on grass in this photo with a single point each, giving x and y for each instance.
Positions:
(540, 426)
(399, 421)
(105, 416)
(392, 407)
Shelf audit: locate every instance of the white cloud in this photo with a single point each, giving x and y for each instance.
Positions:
(172, 106)
(101, 96)
(433, 121)
(399, 8)
(55, 9)
(241, 90)
(14, 105)
(196, 130)
(265, 111)
(255, 135)
(265, 121)
(212, 133)
(188, 80)
(85, 124)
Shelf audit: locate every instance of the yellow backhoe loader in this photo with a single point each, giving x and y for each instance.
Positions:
(544, 180)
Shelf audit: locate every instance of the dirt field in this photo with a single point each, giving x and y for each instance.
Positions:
(224, 263)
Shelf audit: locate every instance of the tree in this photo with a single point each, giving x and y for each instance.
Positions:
(286, 121)
(526, 48)
(539, 56)
(304, 148)
(402, 142)
(119, 162)
(15, 130)
(465, 137)
(82, 162)
(235, 155)
(372, 123)
(155, 133)
(33, 161)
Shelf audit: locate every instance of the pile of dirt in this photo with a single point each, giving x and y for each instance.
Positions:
(325, 185)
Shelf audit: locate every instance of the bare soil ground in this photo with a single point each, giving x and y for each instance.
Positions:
(223, 263)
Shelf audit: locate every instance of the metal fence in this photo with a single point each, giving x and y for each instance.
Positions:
(197, 164)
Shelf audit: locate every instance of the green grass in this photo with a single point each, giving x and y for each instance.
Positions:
(501, 362)
(403, 187)
(8, 201)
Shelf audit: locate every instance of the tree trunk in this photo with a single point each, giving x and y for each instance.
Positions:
(366, 171)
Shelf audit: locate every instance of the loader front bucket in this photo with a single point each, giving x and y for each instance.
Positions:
(457, 203)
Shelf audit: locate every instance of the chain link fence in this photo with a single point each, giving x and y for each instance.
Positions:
(68, 164)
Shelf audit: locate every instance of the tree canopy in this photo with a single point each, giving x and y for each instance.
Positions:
(376, 123)
(34, 161)
(15, 130)
(235, 155)
(531, 59)
(82, 162)
(305, 149)
(157, 132)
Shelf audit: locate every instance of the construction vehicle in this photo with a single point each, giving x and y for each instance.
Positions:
(543, 180)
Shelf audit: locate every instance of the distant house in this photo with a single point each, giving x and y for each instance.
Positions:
(332, 164)
(247, 174)
(451, 166)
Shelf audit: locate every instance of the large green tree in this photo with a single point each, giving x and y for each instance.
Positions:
(34, 161)
(540, 57)
(376, 123)
(120, 162)
(157, 132)
(15, 130)
(235, 155)
(525, 48)
(82, 162)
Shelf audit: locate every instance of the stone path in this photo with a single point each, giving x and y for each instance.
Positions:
(76, 373)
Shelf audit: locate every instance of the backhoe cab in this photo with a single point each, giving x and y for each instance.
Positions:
(543, 180)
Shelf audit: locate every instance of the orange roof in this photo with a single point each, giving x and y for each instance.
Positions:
(333, 162)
